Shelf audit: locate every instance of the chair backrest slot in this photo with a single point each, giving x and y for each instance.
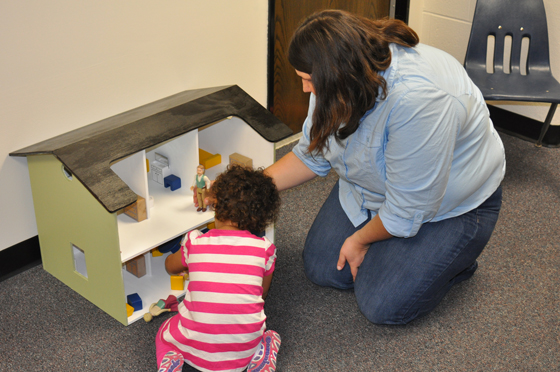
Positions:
(490, 47)
(524, 58)
(507, 54)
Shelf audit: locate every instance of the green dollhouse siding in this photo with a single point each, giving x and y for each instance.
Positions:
(67, 214)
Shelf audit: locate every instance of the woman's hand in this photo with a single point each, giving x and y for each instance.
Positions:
(356, 246)
(353, 253)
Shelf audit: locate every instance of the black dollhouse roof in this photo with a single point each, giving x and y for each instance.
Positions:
(89, 152)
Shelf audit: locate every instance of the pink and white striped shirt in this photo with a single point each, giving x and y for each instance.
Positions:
(221, 320)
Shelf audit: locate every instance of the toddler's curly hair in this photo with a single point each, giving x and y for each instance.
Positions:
(247, 197)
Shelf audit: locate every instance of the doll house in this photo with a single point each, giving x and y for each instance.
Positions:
(83, 180)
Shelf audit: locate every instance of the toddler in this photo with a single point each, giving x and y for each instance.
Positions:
(221, 322)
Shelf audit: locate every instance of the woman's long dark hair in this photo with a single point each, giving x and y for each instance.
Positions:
(344, 54)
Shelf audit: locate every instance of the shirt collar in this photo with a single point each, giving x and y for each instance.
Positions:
(389, 73)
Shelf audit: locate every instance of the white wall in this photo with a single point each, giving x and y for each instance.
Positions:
(66, 64)
(446, 24)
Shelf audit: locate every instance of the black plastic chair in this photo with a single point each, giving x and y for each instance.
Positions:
(518, 19)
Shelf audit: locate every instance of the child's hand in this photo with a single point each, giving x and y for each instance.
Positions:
(210, 198)
(174, 264)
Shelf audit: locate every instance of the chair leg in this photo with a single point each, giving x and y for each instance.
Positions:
(546, 124)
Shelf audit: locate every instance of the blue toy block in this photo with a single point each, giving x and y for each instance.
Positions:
(171, 246)
(135, 301)
(172, 181)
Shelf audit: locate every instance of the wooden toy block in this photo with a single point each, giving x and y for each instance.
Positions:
(172, 181)
(239, 159)
(137, 266)
(177, 282)
(135, 301)
(129, 310)
(207, 159)
(137, 210)
(156, 253)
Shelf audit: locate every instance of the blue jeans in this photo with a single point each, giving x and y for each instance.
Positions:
(400, 279)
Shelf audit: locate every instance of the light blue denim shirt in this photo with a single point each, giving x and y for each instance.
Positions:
(427, 152)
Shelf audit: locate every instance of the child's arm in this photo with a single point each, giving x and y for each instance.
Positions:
(266, 285)
(174, 264)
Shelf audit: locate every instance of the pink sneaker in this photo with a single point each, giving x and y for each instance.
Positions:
(171, 362)
(265, 358)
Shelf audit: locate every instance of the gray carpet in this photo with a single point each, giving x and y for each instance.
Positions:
(506, 318)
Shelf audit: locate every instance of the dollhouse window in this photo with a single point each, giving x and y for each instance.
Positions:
(79, 261)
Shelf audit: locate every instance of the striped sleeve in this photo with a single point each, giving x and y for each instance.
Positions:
(186, 244)
(270, 256)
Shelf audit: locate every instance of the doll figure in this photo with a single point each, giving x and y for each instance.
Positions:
(200, 185)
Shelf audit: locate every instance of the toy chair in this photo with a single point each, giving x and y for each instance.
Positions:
(514, 76)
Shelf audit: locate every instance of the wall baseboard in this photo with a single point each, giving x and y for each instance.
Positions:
(19, 257)
(523, 127)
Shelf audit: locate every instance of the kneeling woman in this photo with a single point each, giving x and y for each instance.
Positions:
(419, 162)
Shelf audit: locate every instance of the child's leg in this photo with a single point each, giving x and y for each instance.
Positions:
(167, 358)
(265, 357)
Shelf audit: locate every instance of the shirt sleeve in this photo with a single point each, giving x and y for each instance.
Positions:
(186, 244)
(207, 182)
(270, 258)
(421, 136)
(315, 162)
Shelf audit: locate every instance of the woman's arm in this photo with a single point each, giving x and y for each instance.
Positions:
(355, 247)
(289, 172)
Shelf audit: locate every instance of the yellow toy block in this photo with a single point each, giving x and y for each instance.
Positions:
(156, 253)
(129, 310)
(207, 159)
(177, 282)
(211, 225)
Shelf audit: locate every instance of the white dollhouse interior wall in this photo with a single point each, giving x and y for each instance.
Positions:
(172, 213)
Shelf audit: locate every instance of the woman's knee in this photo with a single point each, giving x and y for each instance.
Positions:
(379, 310)
(320, 267)
(321, 270)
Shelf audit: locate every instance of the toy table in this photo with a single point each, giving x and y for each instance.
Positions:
(82, 181)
